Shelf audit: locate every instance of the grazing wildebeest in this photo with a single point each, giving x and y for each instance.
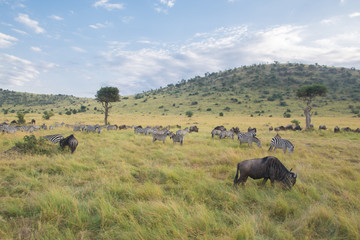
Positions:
(268, 168)
(221, 128)
(271, 128)
(194, 129)
(33, 121)
(122, 127)
(297, 128)
(322, 127)
(70, 141)
(336, 129)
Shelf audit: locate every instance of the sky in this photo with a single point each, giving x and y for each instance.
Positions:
(77, 47)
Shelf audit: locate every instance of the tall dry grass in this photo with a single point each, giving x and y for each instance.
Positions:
(118, 185)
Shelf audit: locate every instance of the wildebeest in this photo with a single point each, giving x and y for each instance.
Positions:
(70, 141)
(33, 121)
(268, 168)
(221, 128)
(271, 128)
(322, 127)
(194, 129)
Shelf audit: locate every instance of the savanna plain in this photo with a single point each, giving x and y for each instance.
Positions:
(118, 185)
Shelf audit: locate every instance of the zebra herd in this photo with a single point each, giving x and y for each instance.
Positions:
(250, 137)
(160, 134)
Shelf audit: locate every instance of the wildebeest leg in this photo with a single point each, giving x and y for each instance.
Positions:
(243, 180)
(264, 181)
(272, 181)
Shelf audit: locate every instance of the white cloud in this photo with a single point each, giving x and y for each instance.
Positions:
(6, 40)
(163, 5)
(108, 6)
(127, 19)
(100, 25)
(355, 14)
(55, 17)
(24, 19)
(36, 49)
(19, 31)
(157, 65)
(15, 71)
(168, 3)
(78, 49)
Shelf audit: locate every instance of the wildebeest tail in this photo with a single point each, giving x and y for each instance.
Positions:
(237, 174)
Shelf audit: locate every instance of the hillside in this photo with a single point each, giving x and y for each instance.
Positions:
(265, 89)
(257, 90)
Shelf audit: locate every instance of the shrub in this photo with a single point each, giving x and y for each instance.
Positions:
(189, 113)
(40, 146)
(296, 122)
(287, 115)
(194, 103)
(68, 112)
(21, 117)
(209, 109)
(221, 114)
(47, 115)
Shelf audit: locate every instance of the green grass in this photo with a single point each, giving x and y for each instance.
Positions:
(118, 185)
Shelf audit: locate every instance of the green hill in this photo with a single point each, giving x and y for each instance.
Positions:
(257, 90)
(265, 89)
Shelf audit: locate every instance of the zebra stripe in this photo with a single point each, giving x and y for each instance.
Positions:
(54, 138)
(278, 142)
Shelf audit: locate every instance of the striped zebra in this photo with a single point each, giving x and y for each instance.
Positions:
(54, 138)
(242, 135)
(249, 139)
(278, 142)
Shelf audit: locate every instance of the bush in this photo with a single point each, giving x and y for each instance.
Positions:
(209, 109)
(287, 115)
(68, 112)
(194, 103)
(189, 113)
(40, 146)
(296, 122)
(47, 115)
(221, 114)
(21, 118)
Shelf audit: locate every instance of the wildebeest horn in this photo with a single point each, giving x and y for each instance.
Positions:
(290, 170)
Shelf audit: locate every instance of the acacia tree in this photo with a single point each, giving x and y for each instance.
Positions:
(308, 94)
(107, 95)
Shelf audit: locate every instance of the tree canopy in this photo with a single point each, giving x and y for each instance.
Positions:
(308, 92)
(108, 94)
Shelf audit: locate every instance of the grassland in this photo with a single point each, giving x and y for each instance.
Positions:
(118, 185)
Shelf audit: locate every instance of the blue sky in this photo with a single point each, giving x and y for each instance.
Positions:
(77, 47)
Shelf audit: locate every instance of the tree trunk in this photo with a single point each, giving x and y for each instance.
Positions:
(106, 112)
(307, 112)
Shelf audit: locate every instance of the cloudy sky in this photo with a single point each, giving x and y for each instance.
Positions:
(77, 47)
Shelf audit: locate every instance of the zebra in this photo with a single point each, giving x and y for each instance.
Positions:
(54, 138)
(182, 132)
(228, 134)
(70, 141)
(159, 136)
(215, 132)
(177, 138)
(249, 139)
(246, 135)
(278, 142)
